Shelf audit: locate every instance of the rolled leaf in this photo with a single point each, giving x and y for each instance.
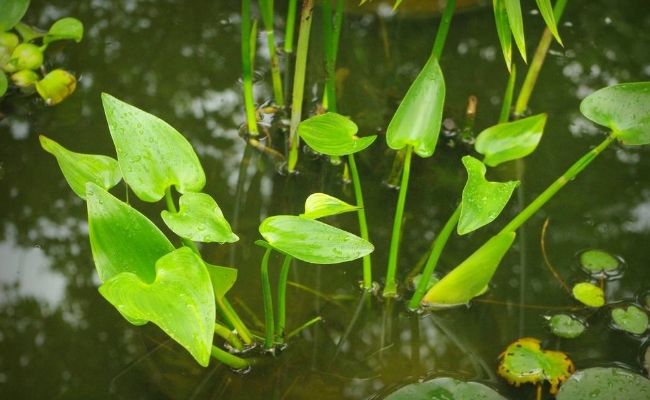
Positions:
(79, 169)
(56, 86)
(333, 134)
(319, 205)
(152, 154)
(65, 28)
(180, 300)
(510, 140)
(313, 241)
(418, 117)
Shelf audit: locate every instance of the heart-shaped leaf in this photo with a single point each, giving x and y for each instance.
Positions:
(566, 326)
(63, 29)
(471, 277)
(624, 108)
(604, 383)
(319, 205)
(56, 86)
(152, 155)
(418, 117)
(180, 300)
(200, 219)
(482, 201)
(333, 134)
(525, 362)
(510, 140)
(599, 263)
(444, 388)
(631, 320)
(11, 12)
(589, 294)
(223, 278)
(79, 169)
(313, 241)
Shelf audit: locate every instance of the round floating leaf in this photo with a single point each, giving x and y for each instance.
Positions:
(63, 29)
(445, 388)
(319, 205)
(313, 241)
(152, 154)
(605, 384)
(180, 300)
(482, 201)
(79, 169)
(333, 134)
(471, 277)
(200, 219)
(599, 263)
(632, 319)
(418, 118)
(624, 108)
(525, 362)
(566, 326)
(510, 140)
(12, 11)
(589, 294)
(56, 86)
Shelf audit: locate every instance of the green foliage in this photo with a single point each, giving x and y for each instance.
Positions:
(65, 29)
(511, 140)
(57, 85)
(444, 388)
(599, 263)
(319, 205)
(11, 12)
(630, 319)
(605, 383)
(333, 134)
(546, 9)
(566, 326)
(589, 294)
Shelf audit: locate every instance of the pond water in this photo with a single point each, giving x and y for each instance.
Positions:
(181, 61)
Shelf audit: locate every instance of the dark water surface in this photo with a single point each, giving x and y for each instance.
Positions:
(180, 60)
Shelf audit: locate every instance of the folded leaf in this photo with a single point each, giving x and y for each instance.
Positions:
(319, 205)
(333, 134)
(510, 140)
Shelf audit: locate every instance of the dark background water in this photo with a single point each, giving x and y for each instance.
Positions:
(180, 61)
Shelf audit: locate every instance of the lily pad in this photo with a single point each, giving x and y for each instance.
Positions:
(445, 389)
(525, 362)
(333, 134)
(589, 294)
(605, 383)
(599, 263)
(566, 326)
(510, 140)
(319, 205)
(632, 319)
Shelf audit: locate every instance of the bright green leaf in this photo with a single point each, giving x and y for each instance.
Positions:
(631, 320)
(12, 11)
(28, 32)
(503, 30)
(482, 201)
(313, 241)
(510, 140)
(24, 78)
(223, 278)
(516, 21)
(624, 108)
(546, 9)
(180, 300)
(605, 383)
(599, 263)
(25, 56)
(417, 119)
(470, 278)
(445, 388)
(200, 219)
(525, 362)
(319, 205)
(589, 294)
(566, 326)
(79, 169)
(56, 86)
(64, 29)
(152, 154)
(333, 134)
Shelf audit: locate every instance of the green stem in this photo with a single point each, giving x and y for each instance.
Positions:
(507, 96)
(299, 81)
(291, 22)
(363, 225)
(233, 319)
(248, 55)
(282, 297)
(266, 8)
(443, 29)
(391, 286)
(570, 174)
(329, 98)
(229, 336)
(268, 300)
(228, 359)
(436, 250)
(303, 327)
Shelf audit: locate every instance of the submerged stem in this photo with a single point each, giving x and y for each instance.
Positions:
(268, 300)
(228, 359)
(233, 319)
(229, 336)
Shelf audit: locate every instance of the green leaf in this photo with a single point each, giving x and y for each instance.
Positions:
(64, 29)
(25, 56)
(222, 278)
(503, 30)
(56, 86)
(152, 154)
(589, 294)
(482, 201)
(121, 238)
(79, 169)
(599, 263)
(624, 108)
(513, 9)
(525, 362)
(631, 320)
(313, 241)
(333, 134)
(319, 205)
(418, 117)
(29, 33)
(445, 388)
(180, 300)
(11, 12)
(546, 9)
(200, 219)
(470, 278)
(604, 383)
(566, 326)
(24, 78)
(510, 140)
(4, 83)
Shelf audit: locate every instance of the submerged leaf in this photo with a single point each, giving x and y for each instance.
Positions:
(604, 383)
(445, 388)
(180, 300)
(79, 169)
(419, 116)
(152, 155)
(313, 241)
(333, 134)
(319, 205)
(631, 320)
(470, 278)
(510, 140)
(482, 201)
(589, 294)
(200, 219)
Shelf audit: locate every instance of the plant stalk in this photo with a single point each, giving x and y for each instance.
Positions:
(290, 23)
(282, 296)
(266, 7)
(233, 319)
(443, 29)
(248, 36)
(363, 224)
(229, 336)
(268, 300)
(228, 359)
